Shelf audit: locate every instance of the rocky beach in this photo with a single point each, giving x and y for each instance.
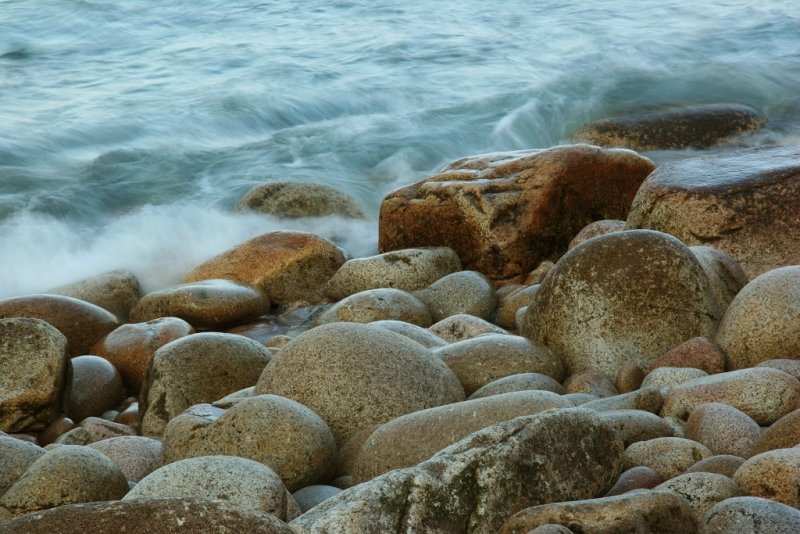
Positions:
(569, 339)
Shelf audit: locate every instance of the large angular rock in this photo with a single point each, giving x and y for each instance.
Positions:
(745, 203)
(653, 512)
(621, 298)
(81, 322)
(504, 213)
(33, 359)
(285, 266)
(415, 437)
(154, 516)
(698, 126)
(763, 321)
(475, 485)
(355, 375)
(195, 369)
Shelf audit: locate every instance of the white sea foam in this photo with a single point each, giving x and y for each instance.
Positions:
(159, 244)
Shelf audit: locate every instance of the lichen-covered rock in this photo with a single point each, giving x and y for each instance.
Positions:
(701, 490)
(293, 199)
(154, 516)
(668, 456)
(203, 304)
(621, 298)
(406, 269)
(462, 326)
(773, 475)
(280, 433)
(654, 512)
(81, 322)
(286, 266)
(65, 475)
(33, 359)
(115, 291)
(196, 369)
(699, 126)
(762, 393)
(483, 359)
(503, 213)
(378, 305)
(246, 483)
(131, 346)
(745, 203)
(747, 515)
(763, 321)
(415, 437)
(354, 375)
(475, 485)
(463, 292)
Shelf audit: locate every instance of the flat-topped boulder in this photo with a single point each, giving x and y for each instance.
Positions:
(699, 126)
(745, 203)
(504, 213)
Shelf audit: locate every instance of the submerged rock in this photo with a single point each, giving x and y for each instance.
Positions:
(292, 199)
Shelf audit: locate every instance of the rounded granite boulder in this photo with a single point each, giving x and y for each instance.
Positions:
(763, 321)
(355, 375)
(93, 386)
(378, 305)
(773, 475)
(293, 199)
(747, 515)
(115, 291)
(463, 292)
(621, 298)
(668, 456)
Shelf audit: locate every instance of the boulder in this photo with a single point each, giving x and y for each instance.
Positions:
(722, 464)
(203, 304)
(510, 305)
(782, 434)
(406, 269)
(762, 393)
(65, 475)
(463, 292)
(93, 386)
(282, 434)
(666, 378)
(483, 359)
(292, 199)
(773, 475)
(415, 437)
(723, 429)
(355, 375)
(115, 291)
(592, 382)
(196, 369)
(15, 457)
(285, 266)
(647, 399)
(154, 516)
(621, 298)
(724, 274)
(131, 346)
(787, 365)
(136, 456)
(519, 382)
(763, 321)
(503, 213)
(462, 326)
(81, 322)
(248, 484)
(697, 353)
(639, 477)
(475, 485)
(423, 336)
(699, 126)
(596, 228)
(745, 203)
(378, 305)
(701, 490)
(633, 426)
(668, 456)
(310, 496)
(746, 515)
(33, 359)
(654, 512)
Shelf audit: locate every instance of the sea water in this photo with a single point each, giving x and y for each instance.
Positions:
(129, 129)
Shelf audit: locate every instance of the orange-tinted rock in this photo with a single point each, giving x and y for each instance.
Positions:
(131, 346)
(503, 213)
(590, 382)
(782, 434)
(51, 433)
(698, 126)
(745, 203)
(285, 266)
(81, 322)
(698, 352)
(723, 429)
(629, 378)
(130, 416)
(722, 464)
(93, 386)
(773, 475)
(207, 303)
